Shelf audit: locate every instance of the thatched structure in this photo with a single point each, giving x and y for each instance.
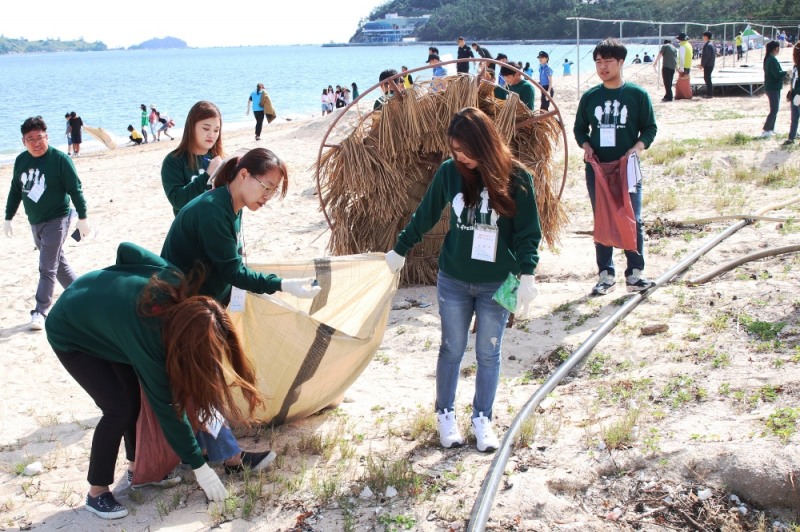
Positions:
(372, 177)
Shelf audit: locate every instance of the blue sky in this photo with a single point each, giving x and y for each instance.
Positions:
(226, 23)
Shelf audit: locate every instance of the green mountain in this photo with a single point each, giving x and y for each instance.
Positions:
(547, 19)
(24, 46)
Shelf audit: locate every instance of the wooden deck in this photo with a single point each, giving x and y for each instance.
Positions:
(747, 77)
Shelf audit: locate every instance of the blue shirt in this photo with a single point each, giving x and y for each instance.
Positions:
(255, 97)
(567, 68)
(545, 74)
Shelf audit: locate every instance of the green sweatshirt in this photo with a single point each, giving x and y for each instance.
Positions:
(525, 91)
(518, 237)
(97, 315)
(56, 171)
(627, 110)
(773, 74)
(207, 230)
(181, 182)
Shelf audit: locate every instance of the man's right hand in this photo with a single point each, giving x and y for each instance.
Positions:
(588, 152)
(7, 229)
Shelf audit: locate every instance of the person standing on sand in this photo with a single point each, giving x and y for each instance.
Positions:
(143, 107)
(707, 62)
(493, 202)
(355, 90)
(153, 119)
(519, 85)
(258, 110)
(545, 79)
(186, 169)
(668, 57)
(44, 180)
(794, 95)
(74, 128)
(463, 52)
(69, 138)
(609, 138)
(129, 323)
(773, 84)
(685, 54)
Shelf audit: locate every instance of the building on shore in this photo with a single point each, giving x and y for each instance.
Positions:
(391, 29)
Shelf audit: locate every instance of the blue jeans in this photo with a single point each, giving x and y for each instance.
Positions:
(458, 301)
(224, 446)
(49, 239)
(605, 254)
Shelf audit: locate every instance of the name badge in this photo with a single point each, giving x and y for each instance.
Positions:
(36, 191)
(484, 243)
(608, 136)
(238, 297)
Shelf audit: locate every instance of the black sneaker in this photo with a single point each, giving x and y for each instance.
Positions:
(605, 285)
(636, 282)
(172, 479)
(105, 506)
(252, 461)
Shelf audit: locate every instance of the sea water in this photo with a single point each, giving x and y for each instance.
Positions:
(106, 88)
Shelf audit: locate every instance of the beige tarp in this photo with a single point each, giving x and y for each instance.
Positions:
(308, 352)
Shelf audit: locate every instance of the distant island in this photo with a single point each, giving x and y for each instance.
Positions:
(24, 46)
(160, 44)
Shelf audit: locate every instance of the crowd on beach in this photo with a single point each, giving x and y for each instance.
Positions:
(160, 319)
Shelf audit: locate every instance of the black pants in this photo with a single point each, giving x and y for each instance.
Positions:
(707, 77)
(115, 390)
(666, 75)
(545, 103)
(259, 121)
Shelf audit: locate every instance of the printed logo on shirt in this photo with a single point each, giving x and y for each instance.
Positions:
(610, 115)
(32, 178)
(467, 217)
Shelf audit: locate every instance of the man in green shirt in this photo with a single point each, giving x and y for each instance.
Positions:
(614, 120)
(516, 83)
(44, 181)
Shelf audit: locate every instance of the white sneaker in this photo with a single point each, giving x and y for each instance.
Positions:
(482, 427)
(448, 430)
(37, 321)
(767, 134)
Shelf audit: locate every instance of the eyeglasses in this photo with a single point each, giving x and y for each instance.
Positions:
(268, 191)
(35, 140)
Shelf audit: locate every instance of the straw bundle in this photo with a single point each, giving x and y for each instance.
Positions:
(372, 181)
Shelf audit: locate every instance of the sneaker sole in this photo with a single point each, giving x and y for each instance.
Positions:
(454, 445)
(108, 515)
(596, 292)
(36, 326)
(267, 460)
(487, 449)
(639, 289)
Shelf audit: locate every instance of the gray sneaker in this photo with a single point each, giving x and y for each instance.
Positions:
(636, 282)
(606, 284)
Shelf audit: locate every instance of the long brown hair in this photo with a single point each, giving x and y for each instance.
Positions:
(796, 54)
(200, 111)
(204, 358)
(257, 161)
(479, 140)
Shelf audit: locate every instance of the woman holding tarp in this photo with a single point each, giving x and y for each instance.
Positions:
(489, 253)
(140, 321)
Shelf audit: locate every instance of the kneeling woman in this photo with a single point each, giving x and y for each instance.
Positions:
(126, 324)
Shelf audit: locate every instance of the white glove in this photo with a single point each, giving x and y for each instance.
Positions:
(395, 261)
(211, 484)
(7, 229)
(305, 287)
(526, 293)
(83, 227)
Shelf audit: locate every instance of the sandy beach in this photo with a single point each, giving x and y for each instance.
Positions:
(709, 404)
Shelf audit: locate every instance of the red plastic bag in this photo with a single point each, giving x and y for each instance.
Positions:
(683, 89)
(614, 221)
(154, 455)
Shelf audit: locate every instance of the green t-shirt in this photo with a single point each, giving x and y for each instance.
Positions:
(181, 181)
(97, 315)
(525, 91)
(52, 174)
(144, 118)
(517, 238)
(207, 230)
(626, 111)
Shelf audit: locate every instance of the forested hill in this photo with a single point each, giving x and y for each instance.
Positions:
(547, 19)
(24, 46)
